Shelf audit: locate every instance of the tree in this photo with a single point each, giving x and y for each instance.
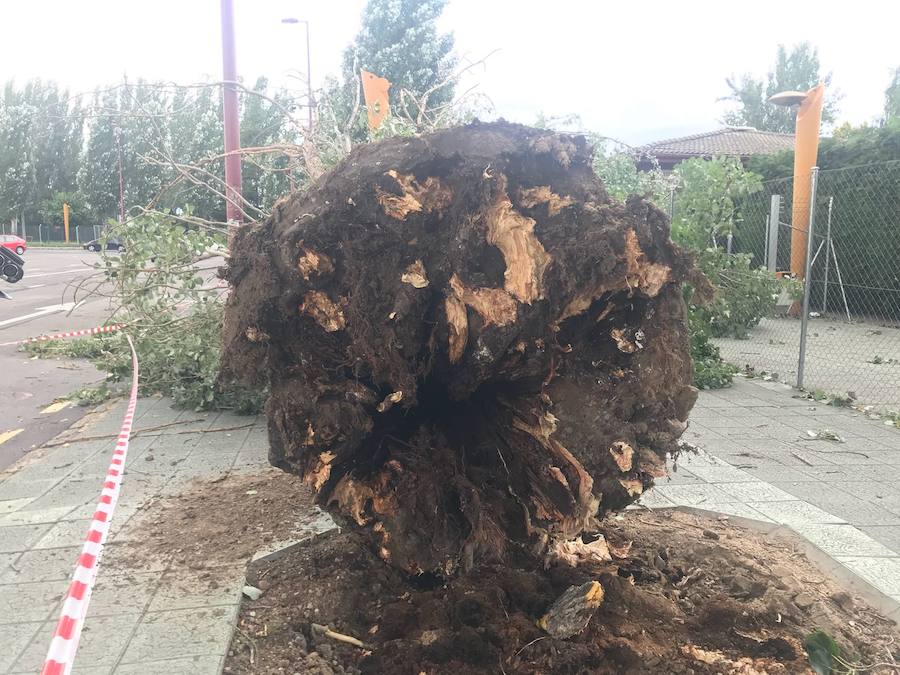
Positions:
(797, 69)
(98, 177)
(399, 40)
(892, 97)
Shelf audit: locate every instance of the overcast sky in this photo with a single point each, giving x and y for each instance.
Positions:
(638, 71)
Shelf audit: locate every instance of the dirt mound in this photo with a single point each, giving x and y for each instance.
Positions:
(472, 351)
(705, 597)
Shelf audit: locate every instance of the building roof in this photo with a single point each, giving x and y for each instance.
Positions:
(729, 141)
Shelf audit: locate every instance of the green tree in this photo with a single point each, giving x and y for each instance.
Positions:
(399, 40)
(98, 176)
(706, 204)
(797, 69)
(892, 97)
(52, 210)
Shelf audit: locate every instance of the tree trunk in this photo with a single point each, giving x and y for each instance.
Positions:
(472, 352)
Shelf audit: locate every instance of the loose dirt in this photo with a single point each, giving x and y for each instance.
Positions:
(690, 595)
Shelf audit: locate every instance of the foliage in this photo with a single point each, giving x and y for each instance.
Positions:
(744, 295)
(51, 211)
(707, 201)
(399, 41)
(40, 143)
(616, 164)
(824, 653)
(169, 297)
(892, 97)
(710, 372)
(797, 69)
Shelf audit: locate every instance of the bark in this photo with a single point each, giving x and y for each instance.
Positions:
(472, 352)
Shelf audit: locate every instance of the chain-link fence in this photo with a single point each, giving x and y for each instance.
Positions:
(853, 332)
(52, 234)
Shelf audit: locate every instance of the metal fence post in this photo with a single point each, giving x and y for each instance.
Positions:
(807, 281)
(827, 256)
(772, 239)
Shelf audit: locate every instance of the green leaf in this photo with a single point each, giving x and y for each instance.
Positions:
(822, 650)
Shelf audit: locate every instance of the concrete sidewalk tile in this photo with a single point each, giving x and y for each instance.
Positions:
(187, 590)
(720, 474)
(130, 556)
(789, 513)
(181, 633)
(197, 665)
(847, 474)
(10, 505)
(16, 638)
(680, 477)
(102, 640)
(20, 537)
(755, 491)
(841, 500)
(29, 601)
(36, 516)
(843, 540)
(882, 573)
(652, 499)
(784, 474)
(736, 509)
(889, 535)
(50, 564)
(122, 592)
(64, 533)
(692, 495)
(22, 487)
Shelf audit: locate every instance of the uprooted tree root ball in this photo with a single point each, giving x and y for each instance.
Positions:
(472, 352)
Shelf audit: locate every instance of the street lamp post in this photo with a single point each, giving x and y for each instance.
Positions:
(311, 103)
(806, 149)
(230, 116)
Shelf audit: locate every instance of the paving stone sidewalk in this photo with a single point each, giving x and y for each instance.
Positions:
(144, 617)
(759, 461)
(147, 618)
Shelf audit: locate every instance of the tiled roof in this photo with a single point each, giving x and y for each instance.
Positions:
(730, 141)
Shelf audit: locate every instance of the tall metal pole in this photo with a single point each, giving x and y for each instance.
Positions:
(230, 116)
(772, 240)
(121, 177)
(807, 279)
(827, 256)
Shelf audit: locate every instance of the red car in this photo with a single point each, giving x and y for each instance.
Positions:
(13, 243)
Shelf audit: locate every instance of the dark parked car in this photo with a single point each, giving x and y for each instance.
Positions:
(112, 244)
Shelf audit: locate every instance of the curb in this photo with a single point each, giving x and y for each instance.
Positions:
(829, 565)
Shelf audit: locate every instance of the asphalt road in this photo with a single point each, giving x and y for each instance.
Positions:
(44, 301)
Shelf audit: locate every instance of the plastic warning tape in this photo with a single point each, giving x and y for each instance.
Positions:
(68, 334)
(61, 655)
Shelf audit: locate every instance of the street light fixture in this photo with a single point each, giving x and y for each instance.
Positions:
(806, 150)
(311, 103)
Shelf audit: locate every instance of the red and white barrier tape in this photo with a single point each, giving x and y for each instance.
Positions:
(68, 334)
(61, 655)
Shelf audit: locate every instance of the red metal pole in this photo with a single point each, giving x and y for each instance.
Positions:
(230, 116)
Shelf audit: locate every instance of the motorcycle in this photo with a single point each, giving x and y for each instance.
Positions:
(12, 269)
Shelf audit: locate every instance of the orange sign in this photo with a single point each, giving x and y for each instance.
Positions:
(375, 91)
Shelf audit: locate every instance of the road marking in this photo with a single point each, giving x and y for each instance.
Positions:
(55, 407)
(8, 435)
(41, 311)
(50, 274)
